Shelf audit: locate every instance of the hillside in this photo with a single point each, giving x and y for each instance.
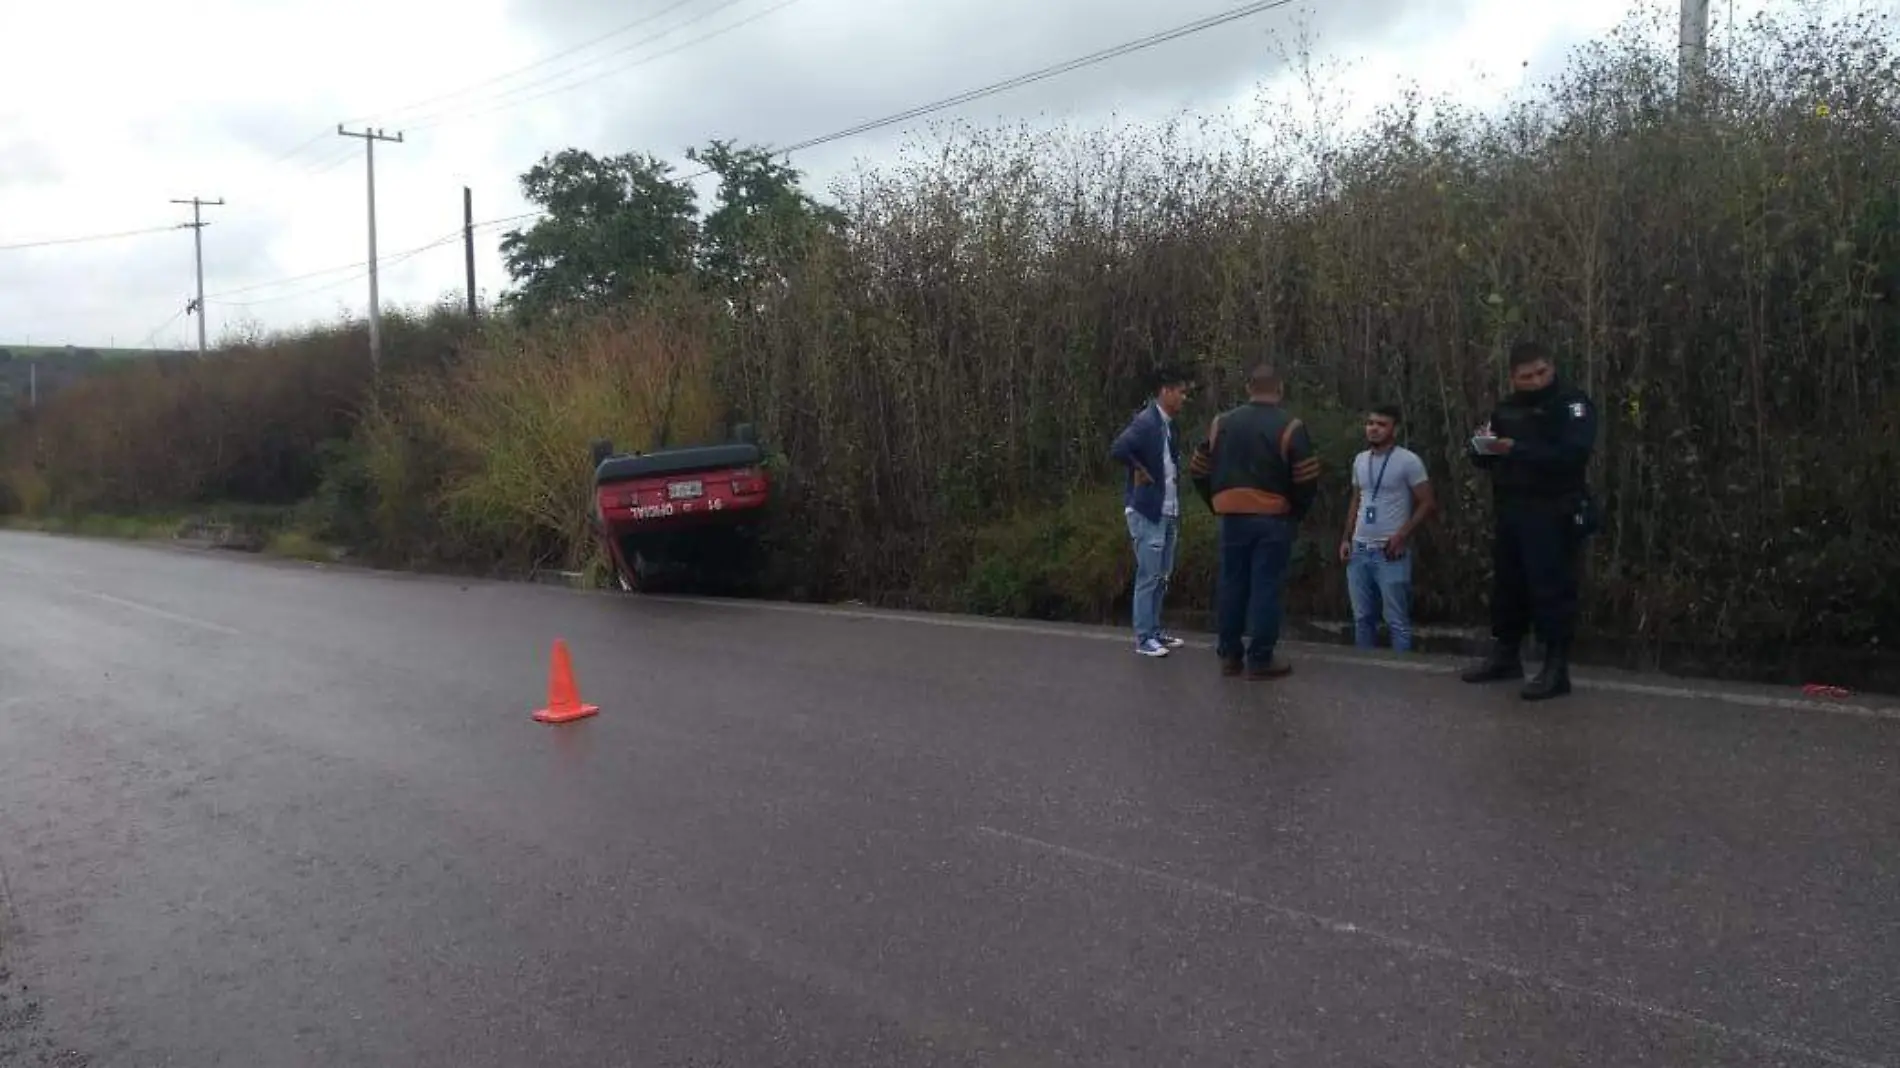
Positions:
(23, 368)
(89, 352)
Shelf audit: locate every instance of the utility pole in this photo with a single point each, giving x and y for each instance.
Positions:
(198, 225)
(1692, 56)
(468, 245)
(370, 137)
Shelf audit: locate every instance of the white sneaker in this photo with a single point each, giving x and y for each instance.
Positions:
(1172, 642)
(1151, 647)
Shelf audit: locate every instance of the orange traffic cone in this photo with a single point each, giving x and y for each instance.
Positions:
(564, 698)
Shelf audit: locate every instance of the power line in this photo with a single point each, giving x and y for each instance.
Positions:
(325, 162)
(117, 235)
(1053, 70)
(1101, 56)
(458, 234)
(1114, 52)
(444, 118)
(504, 76)
(216, 298)
(386, 115)
(359, 267)
(50, 242)
(318, 137)
(298, 150)
(151, 339)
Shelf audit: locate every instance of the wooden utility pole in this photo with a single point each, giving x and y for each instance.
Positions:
(468, 245)
(1692, 55)
(370, 137)
(198, 225)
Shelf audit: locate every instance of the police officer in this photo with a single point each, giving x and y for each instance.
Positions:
(1536, 448)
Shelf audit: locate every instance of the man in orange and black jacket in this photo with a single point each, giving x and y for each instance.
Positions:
(1259, 473)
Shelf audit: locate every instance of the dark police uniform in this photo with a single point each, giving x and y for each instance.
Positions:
(1544, 511)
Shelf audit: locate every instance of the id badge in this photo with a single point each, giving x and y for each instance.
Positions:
(1372, 514)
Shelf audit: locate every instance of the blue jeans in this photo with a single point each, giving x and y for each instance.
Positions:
(1155, 545)
(1254, 553)
(1374, 583)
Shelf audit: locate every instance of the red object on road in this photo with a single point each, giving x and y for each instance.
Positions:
(1821, 689)
(564, 697)
(689, 506)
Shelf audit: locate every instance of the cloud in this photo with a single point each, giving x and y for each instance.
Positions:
(25, 162)
(242, 100)
(821, 65)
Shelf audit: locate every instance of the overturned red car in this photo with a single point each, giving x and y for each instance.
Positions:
(688, 512)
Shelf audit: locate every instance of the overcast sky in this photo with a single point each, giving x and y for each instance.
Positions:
(118, 106)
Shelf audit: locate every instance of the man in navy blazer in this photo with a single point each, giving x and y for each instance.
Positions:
(1149, 447)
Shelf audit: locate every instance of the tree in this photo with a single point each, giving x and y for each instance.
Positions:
(763, 219)
(612, 225)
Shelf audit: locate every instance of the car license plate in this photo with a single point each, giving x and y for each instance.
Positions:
(680, 491)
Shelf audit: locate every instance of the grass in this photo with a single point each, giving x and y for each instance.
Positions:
(273, 531)
(262, 523)
(121, 528)
(299, 545)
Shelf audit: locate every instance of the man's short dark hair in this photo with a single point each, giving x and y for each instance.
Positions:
(1527, 352)
(1390, 411)
(1264, 378)
(1170, 375)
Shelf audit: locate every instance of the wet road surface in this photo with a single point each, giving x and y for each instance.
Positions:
(264, 814)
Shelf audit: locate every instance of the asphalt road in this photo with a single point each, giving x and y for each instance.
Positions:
(260, 814)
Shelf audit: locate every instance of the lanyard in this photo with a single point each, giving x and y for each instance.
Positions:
(1381, 479)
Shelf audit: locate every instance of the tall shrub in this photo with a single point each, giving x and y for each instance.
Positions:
(489, 462)
(1721, 277)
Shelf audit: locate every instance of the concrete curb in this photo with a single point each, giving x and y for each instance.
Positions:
(1749, 695)
(1603, 680)
(206, 534)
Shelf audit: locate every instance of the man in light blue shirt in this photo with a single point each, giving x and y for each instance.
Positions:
(1391, 496)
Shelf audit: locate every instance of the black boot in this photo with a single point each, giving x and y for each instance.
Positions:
(1503, 663)
(1553, 679)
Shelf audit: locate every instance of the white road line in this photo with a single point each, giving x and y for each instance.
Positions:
(1416, 948)
(190, 621)
(58, 579)
(1307, 650)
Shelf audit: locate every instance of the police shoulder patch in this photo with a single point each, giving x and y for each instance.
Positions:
(1576, 409)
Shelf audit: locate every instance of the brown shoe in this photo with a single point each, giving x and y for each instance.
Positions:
(1230, 666)
(1278, 669)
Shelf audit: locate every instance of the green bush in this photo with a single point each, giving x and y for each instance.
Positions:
(1068, 562)
(488, 462)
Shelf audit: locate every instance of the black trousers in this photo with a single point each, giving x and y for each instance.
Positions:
(1536, 556)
